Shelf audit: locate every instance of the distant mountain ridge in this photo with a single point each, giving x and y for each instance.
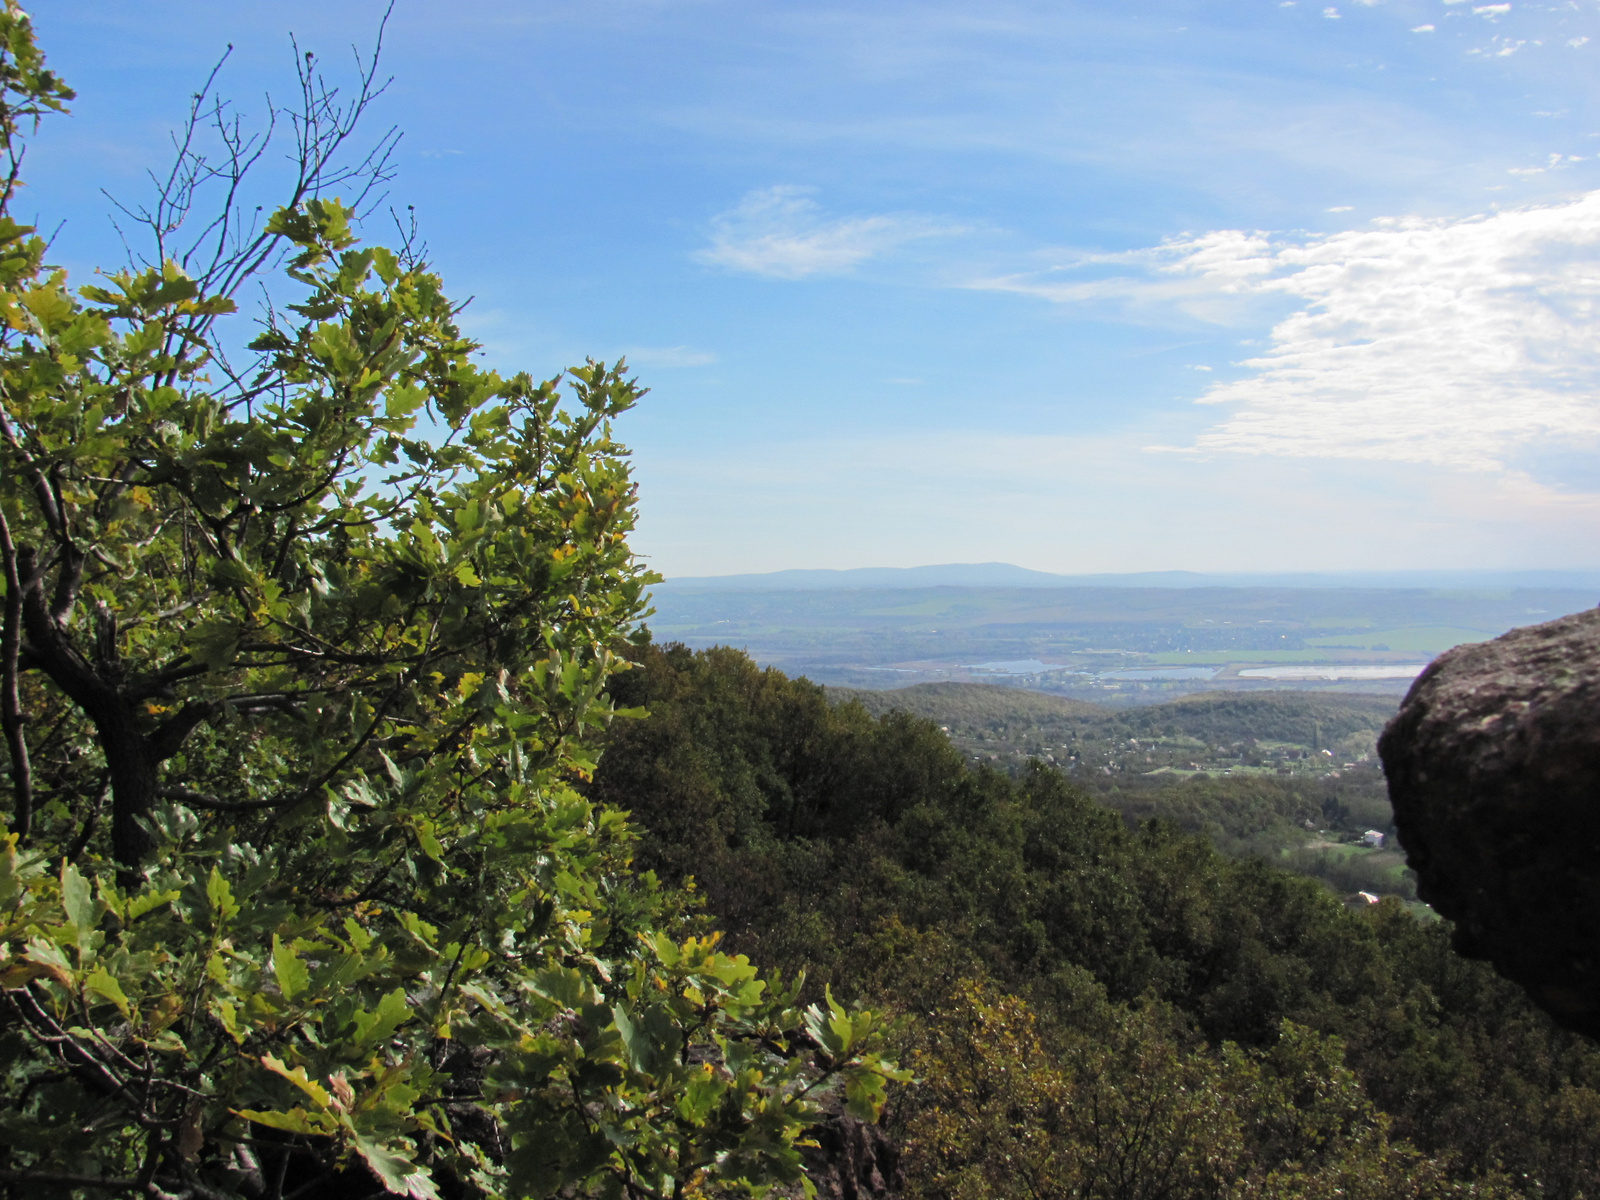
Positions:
(1004, 575)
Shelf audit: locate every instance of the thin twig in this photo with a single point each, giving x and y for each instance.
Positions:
(212, 804)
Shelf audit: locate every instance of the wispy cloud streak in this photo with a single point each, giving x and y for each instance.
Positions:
(668, 356)
(782, 233)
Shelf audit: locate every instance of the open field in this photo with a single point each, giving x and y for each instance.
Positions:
(1315, 654)
(1098, 643)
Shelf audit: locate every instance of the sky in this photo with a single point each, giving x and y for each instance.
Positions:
(1216, 285)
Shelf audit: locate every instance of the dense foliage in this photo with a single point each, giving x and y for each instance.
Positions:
(327, 639)
(1075, 981)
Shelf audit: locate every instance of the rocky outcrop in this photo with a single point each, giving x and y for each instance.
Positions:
(852, 1160)
(1494, 771)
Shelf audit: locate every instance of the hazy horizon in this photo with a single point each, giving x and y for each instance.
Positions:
(1000, 574)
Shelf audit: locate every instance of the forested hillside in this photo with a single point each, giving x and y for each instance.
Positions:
(1289, 776)
(1298, 734)
(1119, 1010)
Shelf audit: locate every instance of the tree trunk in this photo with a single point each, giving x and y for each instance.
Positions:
(134, 778)
(132, 758)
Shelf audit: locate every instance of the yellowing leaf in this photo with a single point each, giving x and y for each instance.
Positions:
(230, 1021)
(20, 974)
(428, 840)
(296, 1120)
(51, 961)
(102, 983)
(220, 897)
(148, 901)
(300, 1079)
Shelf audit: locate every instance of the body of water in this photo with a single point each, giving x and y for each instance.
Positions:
(1337, 671)
(1017, 666)
(1161, 673)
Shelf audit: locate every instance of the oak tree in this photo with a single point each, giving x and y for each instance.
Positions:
(303, 649)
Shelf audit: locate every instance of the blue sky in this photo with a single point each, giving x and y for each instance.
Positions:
(1240, 285)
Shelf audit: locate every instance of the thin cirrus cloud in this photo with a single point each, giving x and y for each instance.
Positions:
(663, 357)
(782, 233)
(1465, 343)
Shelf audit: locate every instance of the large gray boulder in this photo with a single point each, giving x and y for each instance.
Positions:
(1493, 764)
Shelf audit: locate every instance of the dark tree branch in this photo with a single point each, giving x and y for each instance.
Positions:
(160, 684)
(212, 804)
(49, 649)
(232, 247)
(42, 491)
(169, 736)
(10, 696)
(56, 1179)
(91, 822)
(74, 1055)
(361, 744)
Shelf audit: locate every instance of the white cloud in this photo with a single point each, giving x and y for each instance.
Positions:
(1208, 278)
(668, 356)
(1422, 29)
(1466, 343)
(781, 232)
(1507, 47)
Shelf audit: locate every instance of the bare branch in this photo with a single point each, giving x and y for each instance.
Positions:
(202, 800)
(231, 247)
